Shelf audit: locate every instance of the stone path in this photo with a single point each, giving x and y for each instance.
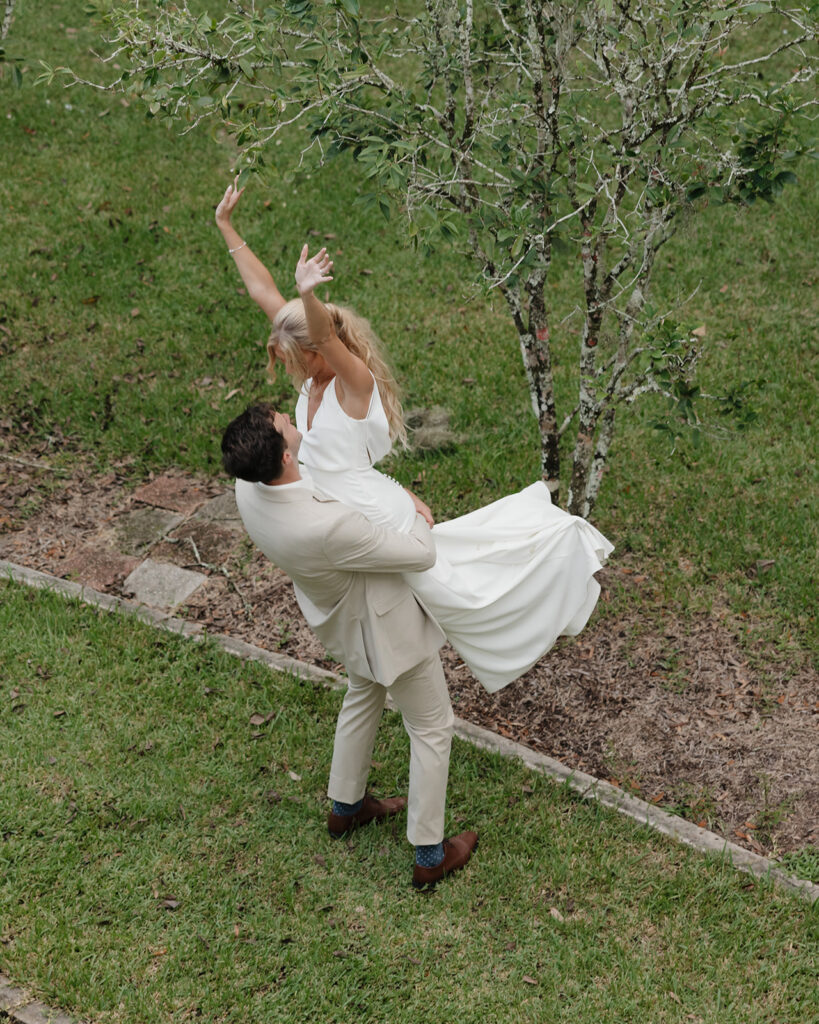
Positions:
(17, 1005)
(172, 510)
(136, 550)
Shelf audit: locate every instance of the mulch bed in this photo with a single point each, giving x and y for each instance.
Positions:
(678, 710)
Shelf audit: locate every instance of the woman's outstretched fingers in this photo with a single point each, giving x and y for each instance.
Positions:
(229, 200)
(313, 271)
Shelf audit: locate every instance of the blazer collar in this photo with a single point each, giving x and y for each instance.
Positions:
(295, 492)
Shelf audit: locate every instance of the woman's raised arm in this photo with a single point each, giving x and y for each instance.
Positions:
(354, 382)
(257, 278)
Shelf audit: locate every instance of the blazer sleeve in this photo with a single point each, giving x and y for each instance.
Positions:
(355, 544)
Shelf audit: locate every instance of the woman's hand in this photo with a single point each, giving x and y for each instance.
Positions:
(420, 507)
(310, 273)
(228, 204)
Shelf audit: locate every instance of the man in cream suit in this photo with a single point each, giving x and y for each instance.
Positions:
(347, 576)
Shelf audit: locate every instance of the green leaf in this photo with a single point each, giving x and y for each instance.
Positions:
(351, 7)
(367, 200)
(247, 68)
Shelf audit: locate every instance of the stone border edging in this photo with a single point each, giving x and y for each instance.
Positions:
(587, 786)
(18, 1006)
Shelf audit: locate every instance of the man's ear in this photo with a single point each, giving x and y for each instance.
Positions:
(287, 458)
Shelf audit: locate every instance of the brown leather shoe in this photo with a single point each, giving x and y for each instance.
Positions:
(457, 852)
(339, 825)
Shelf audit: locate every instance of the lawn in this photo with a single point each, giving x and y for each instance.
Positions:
(158, 858)
(126, 338)
(163, 857)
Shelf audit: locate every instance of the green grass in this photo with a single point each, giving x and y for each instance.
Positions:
(132, 776)
(123, 332)
(129, 772)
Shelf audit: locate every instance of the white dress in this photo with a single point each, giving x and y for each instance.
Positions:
(509, 579)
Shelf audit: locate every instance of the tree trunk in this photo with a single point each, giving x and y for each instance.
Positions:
(8, 17)
(537, 362)
(584, 447)
(601, 453)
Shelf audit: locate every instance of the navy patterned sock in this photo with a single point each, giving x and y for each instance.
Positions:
(345, 809)
(429, 856)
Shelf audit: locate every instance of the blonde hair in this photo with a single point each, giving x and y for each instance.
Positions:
(289, 333)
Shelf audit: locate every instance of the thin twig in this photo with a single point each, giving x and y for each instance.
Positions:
(214, 568)
(34, 465)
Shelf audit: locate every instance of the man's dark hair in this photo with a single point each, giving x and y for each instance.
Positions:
(252, 448)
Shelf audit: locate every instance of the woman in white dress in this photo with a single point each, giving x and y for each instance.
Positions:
(510, 577)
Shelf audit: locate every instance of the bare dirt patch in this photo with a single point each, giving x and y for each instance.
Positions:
(677, 708)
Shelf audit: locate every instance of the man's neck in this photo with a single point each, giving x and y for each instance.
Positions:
(291, 475)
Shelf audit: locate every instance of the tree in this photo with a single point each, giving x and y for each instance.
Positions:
(530, 135)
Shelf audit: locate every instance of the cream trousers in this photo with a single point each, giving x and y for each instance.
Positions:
(423, 700)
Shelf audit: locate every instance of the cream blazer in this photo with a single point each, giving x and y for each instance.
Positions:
(346, 573)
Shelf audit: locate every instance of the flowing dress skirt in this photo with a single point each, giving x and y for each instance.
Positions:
(510, 579)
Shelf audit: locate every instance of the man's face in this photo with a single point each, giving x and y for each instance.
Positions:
(292, 438)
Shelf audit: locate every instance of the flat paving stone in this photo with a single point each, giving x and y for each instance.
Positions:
(223, 511)
(214, 544)
(10, 995)
(38, 1013)
(173, 492)
(138, 530)
(162, 585)
(99, 567)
